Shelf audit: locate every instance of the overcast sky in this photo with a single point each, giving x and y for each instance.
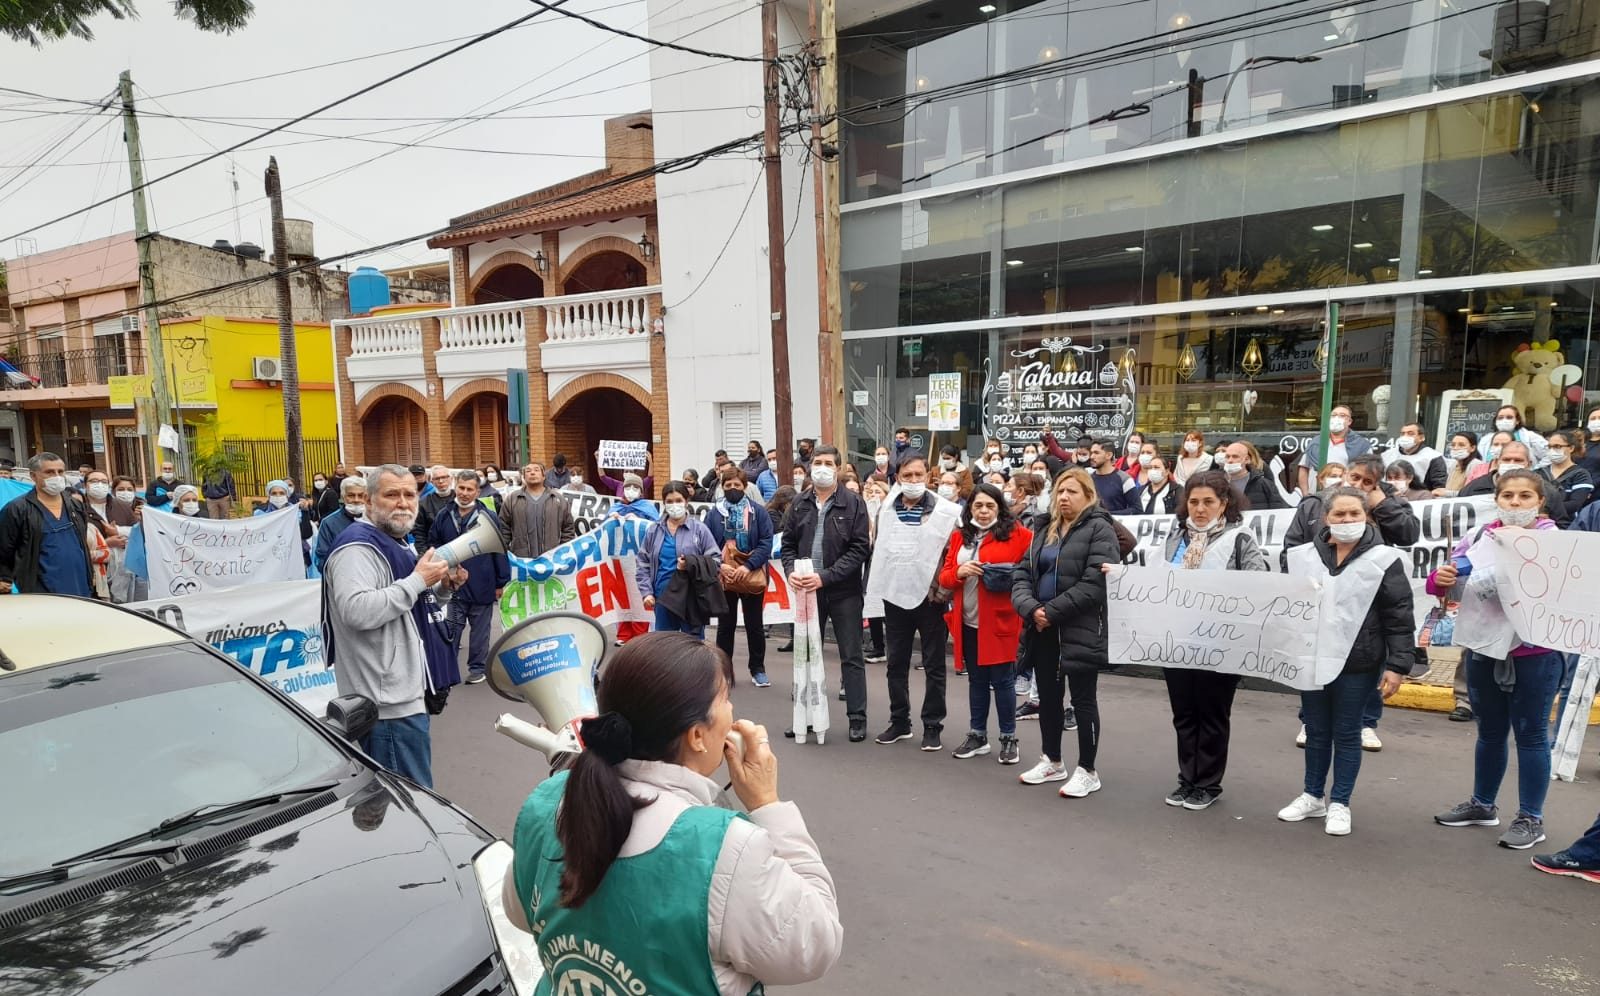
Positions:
(552, 65)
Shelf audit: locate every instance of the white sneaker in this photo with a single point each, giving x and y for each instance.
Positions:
(1300, 738)
(1045, 771)
(1369, 740)
(1081, 784)
(1020, 684)
(1338, 821)
(1304, 807)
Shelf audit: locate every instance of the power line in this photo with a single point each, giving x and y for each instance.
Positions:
(647, 40)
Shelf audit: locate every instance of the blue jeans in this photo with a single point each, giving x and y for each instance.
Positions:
(403, 746)
(1587, 847)
(1525, 712)
(1371, 710)
(667, 621)
(1333, 734)
(473, 621)
(982, 679)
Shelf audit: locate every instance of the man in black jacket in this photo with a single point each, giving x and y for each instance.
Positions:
(1253, 485)
(44, 536)
(432, 505)
(1516, 456)
(828, 525)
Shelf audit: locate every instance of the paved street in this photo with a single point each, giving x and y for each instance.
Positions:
(954, 878)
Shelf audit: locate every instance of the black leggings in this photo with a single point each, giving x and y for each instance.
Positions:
(1045, 659)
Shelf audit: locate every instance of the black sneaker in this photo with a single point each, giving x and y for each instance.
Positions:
(858, 730)
(476, 678)
(842, 696)
(1009, 753)
(931, 742)
(1563, 863)
(875, 657)
(894, 734)
(1028, 710)
(1177, 795)
(974, 745)
(1069, 719)
(782, 650)
(1461, 714)
(1200, 798)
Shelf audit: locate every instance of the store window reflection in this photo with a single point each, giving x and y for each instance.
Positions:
(890, 377)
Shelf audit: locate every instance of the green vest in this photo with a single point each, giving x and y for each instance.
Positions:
(644, 931)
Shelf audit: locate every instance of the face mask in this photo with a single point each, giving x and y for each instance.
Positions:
(631, 494)
(98, 490)
(1028, 456)
(1042, 475)
(1157, 475)
(914, 491)
(1191, 447)
(1011, 497)
(74, 478)
(1594, 427)
(576, 479)
(1522, 518)
(1042, 503)
(1083, 461)
(1232, 469)
(319, 485)
(676, 511)
(901, 444)
(873, 504)
(947, 492)
(167, 475)
(1558, 456)
(772, 465)
(1494, 452)
(799, 483)
(824, 476)
(1514, 465)
(278, 501)
(1338, 424)
(1506, 424)
(947, 464)
(1145, 458)
(190, 508)
(1332, 482)
(55, 485)
(466, 502)
(1399, 484)
(493, 479)
(1407, 443)
(126, 497)
(1347, 532)
(1460, 454)
(993, 453)
(1131, 447)
(355, 511)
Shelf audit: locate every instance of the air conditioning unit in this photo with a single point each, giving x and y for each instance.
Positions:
(266, 368)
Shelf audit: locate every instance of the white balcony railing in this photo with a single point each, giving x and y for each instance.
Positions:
(483, 326)
(622, 314)
(395, 336)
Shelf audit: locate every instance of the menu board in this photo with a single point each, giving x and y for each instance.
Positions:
(1469, 411)
(1074, 390)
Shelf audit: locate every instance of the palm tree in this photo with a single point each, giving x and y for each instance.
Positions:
(38, 21)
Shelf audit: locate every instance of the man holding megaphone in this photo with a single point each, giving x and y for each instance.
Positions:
(458, 534)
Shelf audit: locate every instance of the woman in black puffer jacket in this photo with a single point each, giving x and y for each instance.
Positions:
(1060, 592)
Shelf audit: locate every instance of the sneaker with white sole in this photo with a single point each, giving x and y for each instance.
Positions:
(1028, 710)
(1369, 739)
(1021, 686)
(976, 744)
(1469, 814)
(1080, 784)
(1045, 771)
(1305, 807)
(1524, 832)
(1338, 821)
(1008, 750)
(1300, 738)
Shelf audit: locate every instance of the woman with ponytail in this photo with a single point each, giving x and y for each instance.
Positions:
(628, 855)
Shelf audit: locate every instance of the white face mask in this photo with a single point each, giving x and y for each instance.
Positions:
(167, 475)
(881, 459)
(74, 478)
(676, 511)
(1347, 532)
(873, 504)
(1506, 465)
(772, 465)
(55, 485)
(1157, 475)
(914, 491)
(1011, 497)
(1407, 443)
(354, 510)
(98, 490)
(1594, 427)
(1131, 447)
(1028, 456)
(1460, 454)
(1191, 447)
(1494, 452)
(1042, 475)
(1506, 424)
(126, 497)
(1338, 424)
(1232, 469)
(1522, 518)
(947, 463)
(1145, 458)
(630, 494)
(277, 501)
(190, 508)
(1042, 503)
(466, 502)
(576, 479)
(319, 485)
(1332, 482)
(947, 492)
(824, 476)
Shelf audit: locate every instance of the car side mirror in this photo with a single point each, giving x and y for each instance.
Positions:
(351, 716)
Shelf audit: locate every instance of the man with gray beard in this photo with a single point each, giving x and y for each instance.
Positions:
(382, 625)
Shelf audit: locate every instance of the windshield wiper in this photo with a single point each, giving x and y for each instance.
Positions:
(58, 872)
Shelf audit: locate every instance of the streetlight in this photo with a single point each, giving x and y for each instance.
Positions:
(1255, 62)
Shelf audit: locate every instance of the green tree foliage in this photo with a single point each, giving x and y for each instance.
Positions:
(39, 21)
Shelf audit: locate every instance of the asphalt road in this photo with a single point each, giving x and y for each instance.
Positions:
(954, 878)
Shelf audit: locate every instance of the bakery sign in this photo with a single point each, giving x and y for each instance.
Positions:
(1071, 388)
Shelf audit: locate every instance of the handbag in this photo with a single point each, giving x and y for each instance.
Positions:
(1438, 628)
(997, 577)
(755, 583)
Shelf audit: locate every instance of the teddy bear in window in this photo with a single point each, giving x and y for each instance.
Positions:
(1532, 391)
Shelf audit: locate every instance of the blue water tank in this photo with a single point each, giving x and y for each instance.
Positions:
(368, 289)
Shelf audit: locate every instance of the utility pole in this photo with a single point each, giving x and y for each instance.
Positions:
(782, 397)
(824, 153)
(154, 409)
(288, 360)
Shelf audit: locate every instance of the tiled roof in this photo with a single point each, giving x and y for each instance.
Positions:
(554, 207)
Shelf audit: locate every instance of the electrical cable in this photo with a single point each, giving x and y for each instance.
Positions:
(737, 222)
(647, 40)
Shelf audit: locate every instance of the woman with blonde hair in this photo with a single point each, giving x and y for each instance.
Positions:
(1192, 456)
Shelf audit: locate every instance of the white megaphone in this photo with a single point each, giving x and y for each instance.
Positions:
(549, 662)
(482, 538)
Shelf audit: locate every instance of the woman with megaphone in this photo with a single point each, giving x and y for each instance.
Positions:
(626, 857)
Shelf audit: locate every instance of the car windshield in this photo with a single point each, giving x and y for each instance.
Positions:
(97, 750)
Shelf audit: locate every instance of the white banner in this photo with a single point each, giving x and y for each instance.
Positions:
(1229, 622)
(188, 556)
(619, 454)
(1549, 584)
(274, 630)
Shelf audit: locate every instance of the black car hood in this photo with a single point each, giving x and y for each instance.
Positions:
(373, 893)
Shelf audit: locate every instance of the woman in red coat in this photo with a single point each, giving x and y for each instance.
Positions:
(983, 625)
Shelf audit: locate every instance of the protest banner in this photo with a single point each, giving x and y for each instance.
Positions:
(187, 555)
(274, 630)
(1251, 623)
(594, 574)
(622, 454)
(1549, 587)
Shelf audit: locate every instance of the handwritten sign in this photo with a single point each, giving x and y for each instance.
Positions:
(619, 454)
(944, 402)
(1549, 585)
(1257, 624)
(188, 555)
